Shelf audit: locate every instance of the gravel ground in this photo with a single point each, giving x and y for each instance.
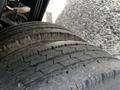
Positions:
(96, 21)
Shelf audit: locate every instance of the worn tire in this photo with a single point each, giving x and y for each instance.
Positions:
(30, 25)
(19, 36)
(63, 65)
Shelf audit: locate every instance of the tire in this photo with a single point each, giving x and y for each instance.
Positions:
(62, 65)
(19, 36)
(33, 24)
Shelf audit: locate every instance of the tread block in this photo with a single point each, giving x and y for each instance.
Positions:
(41, 66)
(81, 56)
(69, 61)
(25, 73)
(52, 68)
(32, 77)
(97, 53)
(37, 59)
(51, 53)
(62, 58)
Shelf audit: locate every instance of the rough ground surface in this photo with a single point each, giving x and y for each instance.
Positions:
(97, 21)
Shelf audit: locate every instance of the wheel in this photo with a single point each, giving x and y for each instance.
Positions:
(19, 36)
(62, 65)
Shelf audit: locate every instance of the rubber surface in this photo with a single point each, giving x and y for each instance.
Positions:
(63, 65)
(30, 25)
(19, 36)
